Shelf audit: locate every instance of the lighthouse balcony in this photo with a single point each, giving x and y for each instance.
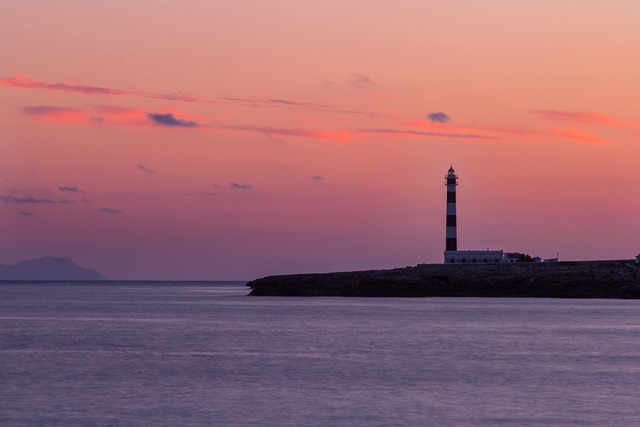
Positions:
(451, 180)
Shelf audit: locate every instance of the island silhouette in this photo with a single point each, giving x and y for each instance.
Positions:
(48, 268)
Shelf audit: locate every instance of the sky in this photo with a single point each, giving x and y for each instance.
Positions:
(233, 139)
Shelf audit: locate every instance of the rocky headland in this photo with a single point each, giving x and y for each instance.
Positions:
(579, 279)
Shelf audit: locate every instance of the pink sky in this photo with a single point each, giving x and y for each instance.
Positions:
(235, 139)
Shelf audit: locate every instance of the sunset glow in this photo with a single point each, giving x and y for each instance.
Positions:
(236, 139)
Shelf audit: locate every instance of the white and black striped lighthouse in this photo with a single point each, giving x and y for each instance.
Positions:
(451, 254)
(451, 183)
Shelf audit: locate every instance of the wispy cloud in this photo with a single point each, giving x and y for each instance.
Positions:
(578, 135)
(57, 114)
(430, 126)
(346, 135)
(100, 115)
(546, 134)
(236, 186)
(106, 115)
(288, 104)
(33, 200)
(507, 132)
(317, 178)
(206, 193)
(112, 114)
(110, 211)
(127, 117)
(169, 119)
(70, 189)
(144, 169)
(45, 110)
(23, 82)
(573, 116)
(361, 81)
(26, 213)
(232, 186)
(421, 133)
(330, 135)
(582, 117)
(28, 83)
(438, 117)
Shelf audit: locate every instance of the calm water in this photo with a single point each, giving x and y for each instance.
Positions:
(189, 354)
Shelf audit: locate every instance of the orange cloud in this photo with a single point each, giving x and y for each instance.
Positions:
(584, 118)
(532, 133)
(117, 116)
(104, 115)
(110, 114)
(171, 118)
(113, 115)
(57, 114)
(96, 115)
(329, 135)
(349, 135)
(577, 135)
(420, 133)
(24, 82)
(28, 83)
(517, 131)
(434, 126)
(553, 133)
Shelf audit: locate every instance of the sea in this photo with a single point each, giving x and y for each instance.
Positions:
(206, 354)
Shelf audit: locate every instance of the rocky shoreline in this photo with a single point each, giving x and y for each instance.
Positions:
(572, 279)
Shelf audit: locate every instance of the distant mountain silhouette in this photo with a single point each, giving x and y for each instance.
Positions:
(48, 268)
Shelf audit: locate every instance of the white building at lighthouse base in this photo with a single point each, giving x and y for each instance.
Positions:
(473, 257)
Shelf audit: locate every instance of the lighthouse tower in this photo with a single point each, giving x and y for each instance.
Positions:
(451, 253)
(451, 183)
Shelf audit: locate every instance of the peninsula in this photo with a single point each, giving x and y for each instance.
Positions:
(569, 279)
(469, 273)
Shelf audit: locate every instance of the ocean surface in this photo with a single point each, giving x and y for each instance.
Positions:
(204, 354)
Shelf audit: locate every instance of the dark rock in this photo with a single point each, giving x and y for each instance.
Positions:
(589, 279)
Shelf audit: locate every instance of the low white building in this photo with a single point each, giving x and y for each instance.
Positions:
(473, 257)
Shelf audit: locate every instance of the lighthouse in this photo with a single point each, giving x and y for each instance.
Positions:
(451, 181)
(451, 253)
